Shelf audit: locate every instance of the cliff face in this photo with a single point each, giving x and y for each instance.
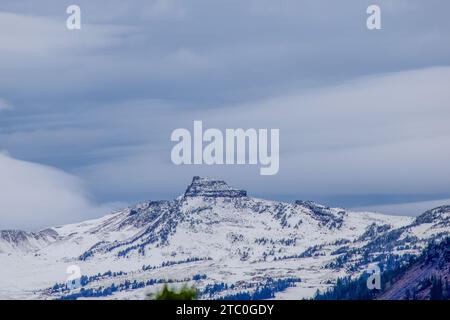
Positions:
(204, 187)
(426, 279)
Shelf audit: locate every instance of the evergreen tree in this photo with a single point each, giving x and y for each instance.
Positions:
(167, 293)
(436, 292)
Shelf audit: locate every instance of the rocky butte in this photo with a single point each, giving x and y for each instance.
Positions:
(205, 187)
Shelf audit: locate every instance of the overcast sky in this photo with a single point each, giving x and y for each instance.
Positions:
(86, 115)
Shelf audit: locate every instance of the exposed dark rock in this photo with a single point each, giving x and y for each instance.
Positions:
(203, 187)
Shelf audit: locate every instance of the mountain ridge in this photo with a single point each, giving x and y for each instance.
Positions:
(423, 277)
(221, 240)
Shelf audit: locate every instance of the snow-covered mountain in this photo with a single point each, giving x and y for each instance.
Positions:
(12, 241)
(213, 236)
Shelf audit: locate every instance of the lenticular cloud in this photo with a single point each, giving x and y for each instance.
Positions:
(38, 195)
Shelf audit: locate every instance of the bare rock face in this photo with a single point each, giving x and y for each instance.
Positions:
(204, 187)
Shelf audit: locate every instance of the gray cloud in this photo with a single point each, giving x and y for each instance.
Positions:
(36, 196)
(360, 112)
(334, 141)
(4, 105)
(219, 52)
(408, 208)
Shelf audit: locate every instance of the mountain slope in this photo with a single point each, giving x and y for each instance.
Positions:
(423, 277)
(16, 240)
(427, 278)
(218, 238)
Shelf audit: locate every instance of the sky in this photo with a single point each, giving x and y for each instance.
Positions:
(86, 115)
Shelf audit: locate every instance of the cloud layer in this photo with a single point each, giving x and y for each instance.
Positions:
(4, 104)
(406, 209)
(361, 113)
(39, 196)
(378, 135)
